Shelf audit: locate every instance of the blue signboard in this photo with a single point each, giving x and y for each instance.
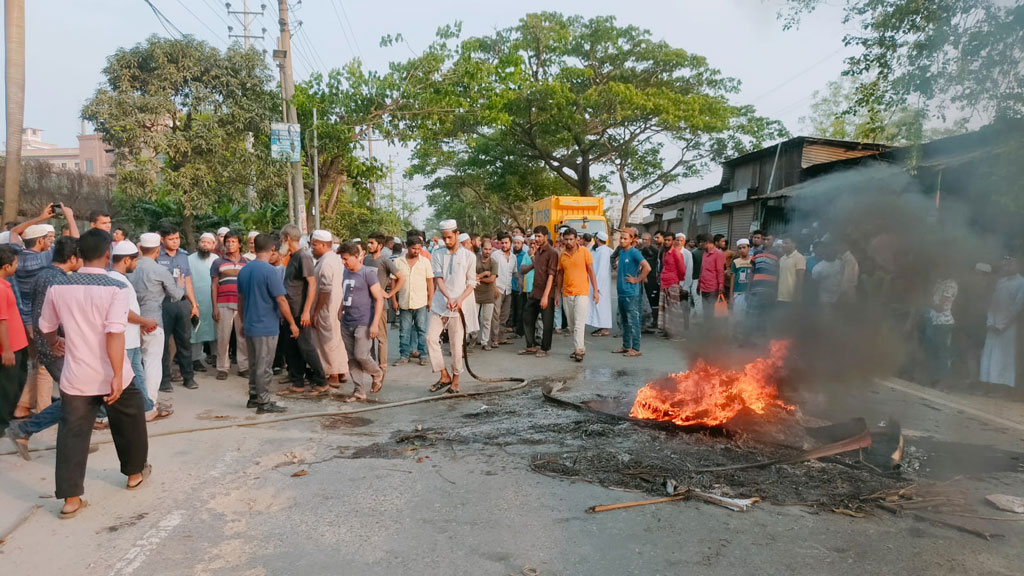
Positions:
(285, 143)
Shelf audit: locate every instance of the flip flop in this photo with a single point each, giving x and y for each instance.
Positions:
(440, 385)
(633, 354)
(146, 471)
(291, 392)
(620, 351)
(161, 413)
(527, 351)
(69, 515)
(453, 391)
(376, 386)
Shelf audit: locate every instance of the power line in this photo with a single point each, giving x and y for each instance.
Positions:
(341, 25)
(164, 21)
(349, 22)
(310, 48)
(216, 12)
(203, 22)
(799, 74)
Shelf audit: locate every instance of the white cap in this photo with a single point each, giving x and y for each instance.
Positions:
(49, 228)
(447, 225)
(680, 235)
(149, 240)
(396, 239)
(777, 243)
(742, 242)
(321, 236)
(5, 237)
(124, 248)
(253, 234)
(223, 230)
(208, 235)
(602, 235)
(980, 267)
(34, 231)
(463, 237)
(521, 239)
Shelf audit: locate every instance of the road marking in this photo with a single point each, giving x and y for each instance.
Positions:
(134, 558)
(948, 401)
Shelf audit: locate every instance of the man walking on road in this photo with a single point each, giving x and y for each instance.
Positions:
(262, 304)
(576, 279)
(92, 308)
(362, 307)
(413, 301)
(330, 271)
(454, 282)
(633, 270)
(539, 301)
(177, 314)
(224, 294)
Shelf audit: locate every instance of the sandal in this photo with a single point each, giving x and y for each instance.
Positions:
(527, 351)
(354, 398)
(452, 391)
(292, 392)
(159, 414)
(620, 351)
(633, 353)
(146, 471)
(68, 515)
(377, 385)
(440, 385)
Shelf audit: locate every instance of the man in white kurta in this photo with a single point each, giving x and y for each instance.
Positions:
(600, 316)
(999, 357)
(454, 281)
(330, 271)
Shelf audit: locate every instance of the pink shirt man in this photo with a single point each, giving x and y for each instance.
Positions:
(712, 271)
(88, 305)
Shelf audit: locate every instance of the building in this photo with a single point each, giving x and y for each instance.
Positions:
(91, 157)
(753, 188)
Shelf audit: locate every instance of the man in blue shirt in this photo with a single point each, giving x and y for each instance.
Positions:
(633, 270)
(178, 314)
(261, 296)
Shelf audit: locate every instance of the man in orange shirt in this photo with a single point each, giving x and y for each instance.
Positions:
(575, 278)
(13, 341)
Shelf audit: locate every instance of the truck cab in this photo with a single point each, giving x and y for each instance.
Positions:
(584, 214)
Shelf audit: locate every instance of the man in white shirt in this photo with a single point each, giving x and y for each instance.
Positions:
(503, 289)
(454, 281)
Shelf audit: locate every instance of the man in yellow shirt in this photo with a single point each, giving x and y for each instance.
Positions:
(575, 279)
(792, 269)
(413, 299)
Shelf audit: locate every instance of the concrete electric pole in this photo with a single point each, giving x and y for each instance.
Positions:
(297, 194)
(245, 16)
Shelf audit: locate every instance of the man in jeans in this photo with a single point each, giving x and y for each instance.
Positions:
(386, 269)
(224, 293)
(261, 296)
(633, 270)
(575, 279)
(413, 301)
(539, 302)
(92, 308)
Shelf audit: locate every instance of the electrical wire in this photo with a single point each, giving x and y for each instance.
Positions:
(216, 12)
(164, 21)
(349, 22)
(341, 25)
(310, 47)
(203, 22)
(799, 74)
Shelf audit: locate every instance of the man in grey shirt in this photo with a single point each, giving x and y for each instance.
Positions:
(153, 283)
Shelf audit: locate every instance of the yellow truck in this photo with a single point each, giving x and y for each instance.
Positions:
(584, 214)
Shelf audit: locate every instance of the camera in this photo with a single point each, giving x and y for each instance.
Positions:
(56, 206)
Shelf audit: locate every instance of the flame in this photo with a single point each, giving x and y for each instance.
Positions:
(710, 396)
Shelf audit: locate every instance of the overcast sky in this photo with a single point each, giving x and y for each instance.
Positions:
(68, 41)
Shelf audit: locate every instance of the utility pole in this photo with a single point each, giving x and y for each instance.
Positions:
(297, 193)
(369, 152)
(391, 174)
(316, 177)
(245, 16)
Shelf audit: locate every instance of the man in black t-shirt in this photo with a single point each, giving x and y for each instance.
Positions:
(300, 292)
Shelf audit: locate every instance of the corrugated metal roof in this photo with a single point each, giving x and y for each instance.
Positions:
(821, 153)
(684, 196)
(805, 141)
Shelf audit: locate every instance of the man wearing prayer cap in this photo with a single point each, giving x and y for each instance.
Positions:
(454, 281)
(36, 256)
(327, 335)
(251, 254)
(201, 262)
(466, 241)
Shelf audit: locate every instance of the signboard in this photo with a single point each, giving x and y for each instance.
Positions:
(284, 142)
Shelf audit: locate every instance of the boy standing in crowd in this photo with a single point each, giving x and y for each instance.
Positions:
(633, 270)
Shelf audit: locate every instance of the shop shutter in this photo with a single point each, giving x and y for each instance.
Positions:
(720, 224)
(742, 216)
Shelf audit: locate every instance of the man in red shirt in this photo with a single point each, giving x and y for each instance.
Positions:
(13, 341)
(712, 277)
(673, 284)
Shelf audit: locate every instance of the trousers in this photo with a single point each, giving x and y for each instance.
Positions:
(261, 351)
(547, 315)
(502, 309)
(486, 318)
(38, 388)
(360, 362)
(412, 331)
(629, 314)
(518, 310)
(152, 361)
(230, 320)
(12, 383)
(177, 325)
(300, 352)
(456, 340)
(576, 310)
(127, 426)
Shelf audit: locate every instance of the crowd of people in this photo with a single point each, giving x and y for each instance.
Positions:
(116, 322)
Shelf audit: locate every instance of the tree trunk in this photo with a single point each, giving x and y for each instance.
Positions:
(332, 204)
(584, 176)
(14, 33)
(189, 240)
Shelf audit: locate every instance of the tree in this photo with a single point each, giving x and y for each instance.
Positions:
(587, 100)
(178, 114)
(941, 58)
(14, 34)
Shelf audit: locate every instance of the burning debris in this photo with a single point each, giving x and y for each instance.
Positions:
(710, 396)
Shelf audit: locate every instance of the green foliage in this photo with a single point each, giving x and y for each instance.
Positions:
(140, 215)
(942, 58)
(178, 114)
(564, 103)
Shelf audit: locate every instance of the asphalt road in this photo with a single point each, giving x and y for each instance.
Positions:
(228, 501)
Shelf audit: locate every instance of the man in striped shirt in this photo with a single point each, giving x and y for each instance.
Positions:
(224, 274)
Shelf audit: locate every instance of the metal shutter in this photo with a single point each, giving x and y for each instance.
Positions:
(742, 216)
(720, 224)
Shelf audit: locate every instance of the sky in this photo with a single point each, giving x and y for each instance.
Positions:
(68, 41)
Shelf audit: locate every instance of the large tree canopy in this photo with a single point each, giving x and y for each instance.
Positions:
(178, 114)
(937, 56)
(590, 102)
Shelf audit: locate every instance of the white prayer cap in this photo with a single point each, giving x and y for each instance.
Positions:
(777, 243)
(304, 242)
(356, 240)
(124, 248)
(447, 225)
(321, 236)
(253, 234)
(34, 231)
(149, 240)
(742, 242)
(521, 239)
(5, 237)
(208, 235)
(681, 235)
(223, 230)
(396, 239)
(602, 236)
(49, 228)
(463, 237)
(983, 267)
